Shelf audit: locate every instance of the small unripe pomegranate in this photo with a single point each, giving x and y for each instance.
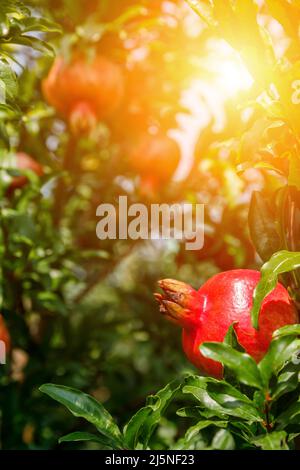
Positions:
(155, 158)
(226, 298)
(24, 162)
(4, 334)
(84, 90)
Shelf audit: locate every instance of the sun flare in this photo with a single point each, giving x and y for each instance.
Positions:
(230, 74)
(233, 77)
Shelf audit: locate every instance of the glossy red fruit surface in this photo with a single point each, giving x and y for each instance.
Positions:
(25, 162)
(94, 87)
(226, 298)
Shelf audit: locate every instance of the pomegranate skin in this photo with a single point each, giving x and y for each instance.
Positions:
(4, 335)
(224, 299)
(97, 85)
(25, 162)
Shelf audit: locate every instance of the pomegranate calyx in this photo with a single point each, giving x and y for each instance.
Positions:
(178, 302)
(179, 292)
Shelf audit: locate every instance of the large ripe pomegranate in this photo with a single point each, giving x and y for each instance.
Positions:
(155, 158)
(24, 162)
(4, 334)
(84, 90)
(206, 314)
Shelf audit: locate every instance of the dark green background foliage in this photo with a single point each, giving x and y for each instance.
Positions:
(80, 312)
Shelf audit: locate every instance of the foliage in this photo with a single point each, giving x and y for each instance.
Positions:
(255, 406)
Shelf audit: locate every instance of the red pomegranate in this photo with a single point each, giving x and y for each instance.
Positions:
(24, 162)
(226, 298)
(155, 158)
(84, 90)
(4, 334)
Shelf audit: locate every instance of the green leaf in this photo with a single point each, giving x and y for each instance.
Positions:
(40, 24)
(35, 43)
(191, 412)
(279, 263)
(14, 7)
(231, 339)
(272, 441)
(84, 436)
(194, 430)
(9, 84)
(262, 226)
(243, 366)
(221, 398)
(84, 406)
(287, 330)
(141, 426)
(289, 416)
(223, 440)
(133, 427)
(287, 381)
(280, 351)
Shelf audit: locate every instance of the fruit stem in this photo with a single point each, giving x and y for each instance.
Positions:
(268, 423)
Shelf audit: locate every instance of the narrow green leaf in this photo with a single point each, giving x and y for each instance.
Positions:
(287, 330)
(34, 43)
(279, 263)
(289, 416)
(84, 406)
(84, 436)
(221, 399)
(287, 381)
(243, 366)
(9, 84)
(223, 440)
(141, 426)
(280, 351)
(272, 441)
(194, 430)
(231, 339)
(133, 427)
(40, 24)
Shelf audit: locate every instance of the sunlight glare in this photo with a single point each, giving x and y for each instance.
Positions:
(233, 77)
(230, 75)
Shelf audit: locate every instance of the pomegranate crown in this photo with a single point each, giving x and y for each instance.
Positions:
(179, 302)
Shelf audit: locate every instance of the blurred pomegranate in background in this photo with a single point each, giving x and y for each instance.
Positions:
(155, 158)
(84, 91)
(24, 162)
